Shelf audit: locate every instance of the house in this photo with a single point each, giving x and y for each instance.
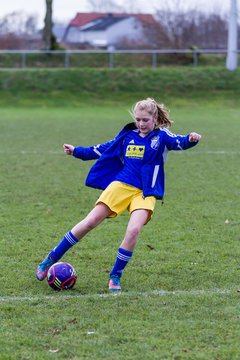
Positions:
(106, 30)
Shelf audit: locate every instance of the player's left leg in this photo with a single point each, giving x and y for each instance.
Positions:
(138, 218)
(72, 237)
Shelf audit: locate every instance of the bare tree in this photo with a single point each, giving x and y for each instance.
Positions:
(179, 23)
(18, 30)
(104, 6)
(48, 37)
(18, 22)
(212, 31)
(186, 29)
(31, 25)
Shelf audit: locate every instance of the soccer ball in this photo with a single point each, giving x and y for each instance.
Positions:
(61, 276)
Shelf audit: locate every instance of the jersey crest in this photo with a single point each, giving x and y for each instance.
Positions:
(155, 142)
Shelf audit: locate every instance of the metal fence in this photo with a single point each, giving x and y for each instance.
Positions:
(75, 58)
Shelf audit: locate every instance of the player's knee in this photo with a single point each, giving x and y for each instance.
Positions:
(133, 232)
(92, 222)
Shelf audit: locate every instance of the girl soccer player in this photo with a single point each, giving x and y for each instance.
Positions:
(130, 171)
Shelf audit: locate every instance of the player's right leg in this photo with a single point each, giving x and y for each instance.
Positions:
(95, 217)
(137, 220)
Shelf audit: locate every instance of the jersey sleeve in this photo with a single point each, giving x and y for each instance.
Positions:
(91, 152)
(177, 142)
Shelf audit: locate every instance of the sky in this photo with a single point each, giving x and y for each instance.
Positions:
(65, 10)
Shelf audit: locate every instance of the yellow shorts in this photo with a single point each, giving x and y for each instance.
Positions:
(120, 197)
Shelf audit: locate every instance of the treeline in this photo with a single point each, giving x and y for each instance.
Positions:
(172, 30)
(183, 30)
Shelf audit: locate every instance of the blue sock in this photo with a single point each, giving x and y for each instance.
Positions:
(122, 260)
(67, 242)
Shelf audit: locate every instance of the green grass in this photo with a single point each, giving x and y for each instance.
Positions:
(179, 299)
(54, 87)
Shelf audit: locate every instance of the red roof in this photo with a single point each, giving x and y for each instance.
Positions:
(85, 18)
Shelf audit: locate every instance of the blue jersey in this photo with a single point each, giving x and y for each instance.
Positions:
(135, 153)
(132, 159)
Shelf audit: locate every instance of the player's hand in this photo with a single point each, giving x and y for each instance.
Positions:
(194, 137)
(68, 149)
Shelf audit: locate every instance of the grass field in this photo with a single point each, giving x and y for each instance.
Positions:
(180, 296)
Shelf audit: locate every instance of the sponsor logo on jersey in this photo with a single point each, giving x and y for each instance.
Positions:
(135, 151)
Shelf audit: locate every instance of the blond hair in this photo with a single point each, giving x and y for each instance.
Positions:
(153, 108)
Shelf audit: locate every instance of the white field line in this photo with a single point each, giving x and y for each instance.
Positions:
(210, 152)
(154, 293)
(51, 152)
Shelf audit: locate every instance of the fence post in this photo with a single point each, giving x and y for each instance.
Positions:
(24, 59)
(195, 57)
(111, 63)
(66, 59)
(154, 60)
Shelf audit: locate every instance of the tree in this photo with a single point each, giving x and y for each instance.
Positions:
(31, 25)
(185, 29)
(105, 6)
(17, 29)
(18, 23)
(48, 36)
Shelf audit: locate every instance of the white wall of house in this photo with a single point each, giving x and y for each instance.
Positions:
(74, 35)
(129, 28)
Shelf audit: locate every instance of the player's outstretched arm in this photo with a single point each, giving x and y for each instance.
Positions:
(194, 137)
(68, 149)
